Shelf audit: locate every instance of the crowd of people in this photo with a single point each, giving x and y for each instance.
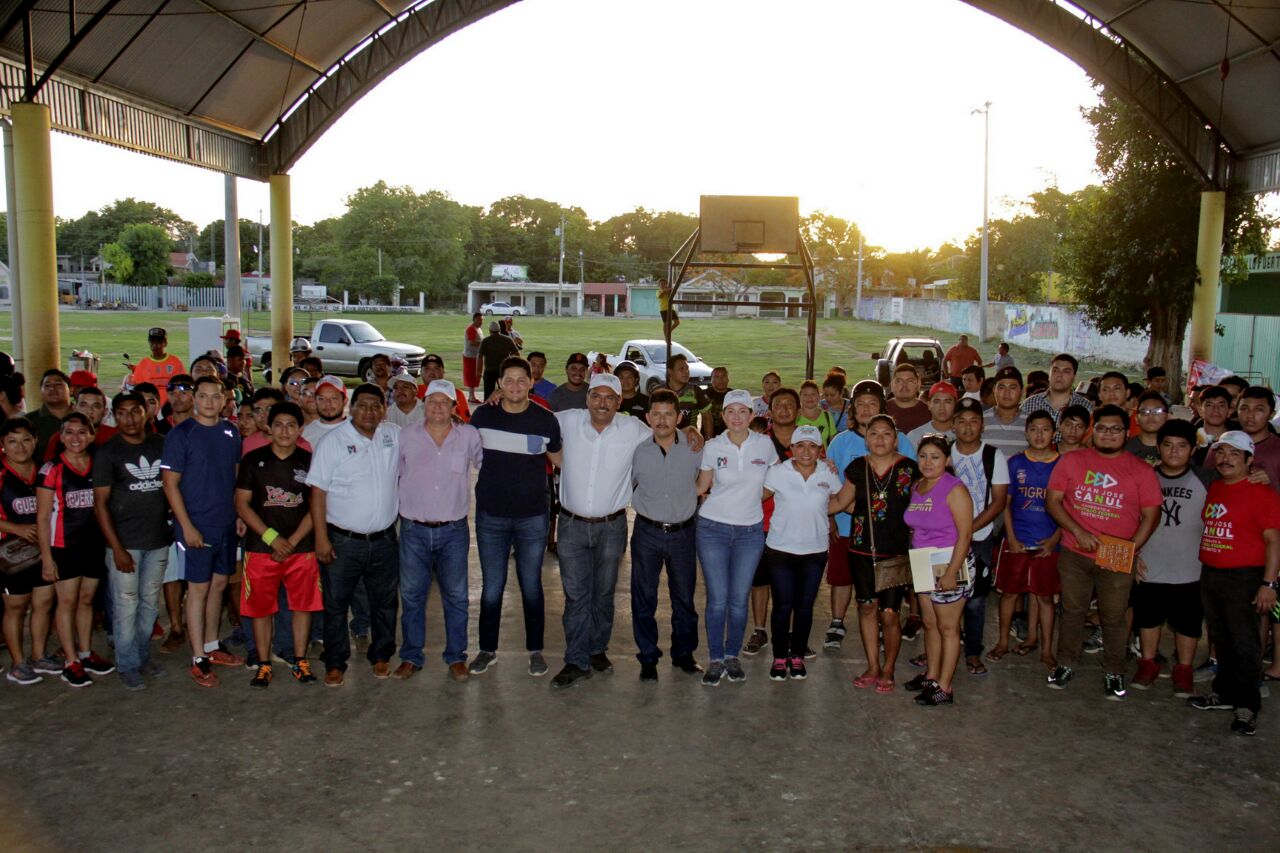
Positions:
(314, 516)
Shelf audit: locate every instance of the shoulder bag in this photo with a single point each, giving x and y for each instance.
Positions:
(890, 571)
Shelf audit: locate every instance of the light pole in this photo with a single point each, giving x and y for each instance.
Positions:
(985, 110)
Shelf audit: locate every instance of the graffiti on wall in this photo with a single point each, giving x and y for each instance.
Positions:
(1025, 324)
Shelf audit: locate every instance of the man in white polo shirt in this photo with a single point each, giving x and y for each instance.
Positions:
(595, 488)
(354, 506)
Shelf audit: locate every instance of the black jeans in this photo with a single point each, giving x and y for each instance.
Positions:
(1233, 624)
(490, 382)
(377, 562)
(795, 579)
(650, 550)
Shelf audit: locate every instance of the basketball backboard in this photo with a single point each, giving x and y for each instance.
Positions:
(750, 224)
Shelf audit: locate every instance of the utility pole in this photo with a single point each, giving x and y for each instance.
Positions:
(560, 281)
(858, 299)
(379, 262)
(986, 160)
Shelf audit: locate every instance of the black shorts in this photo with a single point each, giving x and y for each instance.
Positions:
(24, 581)
(1177, 604)
(667, 315)
(88, 561)
(863, 571)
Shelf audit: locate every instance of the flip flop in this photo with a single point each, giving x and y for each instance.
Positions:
(1266, 676)
(919, 661)
(862, 682)
(976, 668)
(1025, 649)
(885, 687)
(995, 655)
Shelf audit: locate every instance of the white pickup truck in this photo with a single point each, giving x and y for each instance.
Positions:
(346, 347)
(650, 358)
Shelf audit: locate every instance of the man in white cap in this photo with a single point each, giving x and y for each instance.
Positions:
(406, 408)
(595, 488)
(1240, 553)
(436, 458)
(331, 405)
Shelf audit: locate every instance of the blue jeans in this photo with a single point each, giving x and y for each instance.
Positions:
(442, 551)
(135, 601)
(650, 549)
(377, 564)
(795, 579)
(496, 537)
(360, 610)
(589, 557)
(729, 554)
(975, 609)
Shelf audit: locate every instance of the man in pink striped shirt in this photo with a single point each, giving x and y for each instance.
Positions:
(436, 457)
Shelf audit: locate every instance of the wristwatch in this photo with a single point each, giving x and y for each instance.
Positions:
(1275, 584)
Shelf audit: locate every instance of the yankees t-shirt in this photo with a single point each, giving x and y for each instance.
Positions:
(137, 505)
(1104, 494)
(278, 493)
(1172, 554)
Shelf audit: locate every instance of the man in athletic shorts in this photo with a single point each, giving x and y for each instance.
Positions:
(274, 502)
(199, 474)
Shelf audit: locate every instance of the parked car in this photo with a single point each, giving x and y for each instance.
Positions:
(650, 358)
(924, 353)
(346, 347)
(502, 309)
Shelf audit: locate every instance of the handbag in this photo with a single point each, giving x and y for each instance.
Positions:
(890, 571)
(17, 555)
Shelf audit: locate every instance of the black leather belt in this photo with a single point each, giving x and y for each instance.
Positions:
(432, 523)
(598, 520)
(669, 528)
(365, 537)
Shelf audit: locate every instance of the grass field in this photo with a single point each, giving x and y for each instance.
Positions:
(748, 347)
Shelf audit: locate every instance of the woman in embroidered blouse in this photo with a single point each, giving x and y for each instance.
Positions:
(876, 491)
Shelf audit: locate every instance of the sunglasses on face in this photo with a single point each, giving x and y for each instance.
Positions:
(181, 386)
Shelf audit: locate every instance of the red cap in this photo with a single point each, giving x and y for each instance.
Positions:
(232, 335)
(943, 388)
(84, 378)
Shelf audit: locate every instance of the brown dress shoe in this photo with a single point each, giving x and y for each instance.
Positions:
(333, 678)
(458, 671)
(403, 672)
(382, 669)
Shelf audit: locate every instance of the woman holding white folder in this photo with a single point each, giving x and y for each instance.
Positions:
(940, 515)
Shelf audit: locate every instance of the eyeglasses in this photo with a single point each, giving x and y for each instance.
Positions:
(1159, 411)
(180, 386)
(294, 382)
(1109, 429)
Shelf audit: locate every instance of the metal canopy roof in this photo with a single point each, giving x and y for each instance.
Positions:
(246, 86)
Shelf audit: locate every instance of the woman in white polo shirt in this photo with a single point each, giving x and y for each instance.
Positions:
(796, 546)
(730, 535)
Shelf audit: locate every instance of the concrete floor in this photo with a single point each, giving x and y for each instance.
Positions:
(504, 762)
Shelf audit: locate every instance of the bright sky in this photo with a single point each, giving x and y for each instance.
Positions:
(859, 108)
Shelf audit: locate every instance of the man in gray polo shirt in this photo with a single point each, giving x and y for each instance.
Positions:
(664, 473)
(1004, 426)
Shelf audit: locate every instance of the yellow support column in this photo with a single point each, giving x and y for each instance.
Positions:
(37, 242)
(1204, 308)
(281, 273)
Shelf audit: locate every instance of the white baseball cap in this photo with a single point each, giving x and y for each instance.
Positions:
(737, 397)
(443, 386)
(1239, 439)
(606, 380)
(332, 382)
(404, 376)
(807, 433)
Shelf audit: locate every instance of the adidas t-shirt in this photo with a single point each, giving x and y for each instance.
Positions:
(137, 505)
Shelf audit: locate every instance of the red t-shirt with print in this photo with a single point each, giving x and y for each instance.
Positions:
(1104, 494)
(1234, 517)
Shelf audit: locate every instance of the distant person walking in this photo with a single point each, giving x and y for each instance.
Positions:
(471, 356)
(958, 358)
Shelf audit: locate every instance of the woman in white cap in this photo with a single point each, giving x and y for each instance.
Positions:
(730, 537)
(796, 546)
